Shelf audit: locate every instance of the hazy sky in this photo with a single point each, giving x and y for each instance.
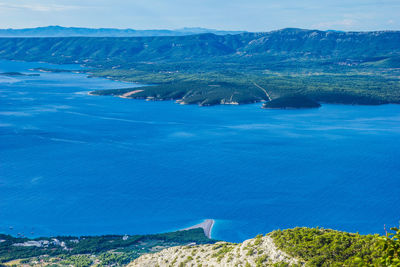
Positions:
(250, 15)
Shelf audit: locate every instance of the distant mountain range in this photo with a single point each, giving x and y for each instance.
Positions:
(58, 31)
(287, 43)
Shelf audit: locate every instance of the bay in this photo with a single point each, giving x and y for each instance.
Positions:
(75, 164)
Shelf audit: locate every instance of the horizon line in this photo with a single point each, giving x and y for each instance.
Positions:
(189, 28)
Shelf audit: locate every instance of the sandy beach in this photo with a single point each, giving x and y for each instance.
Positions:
(207, 226)
(126, 95)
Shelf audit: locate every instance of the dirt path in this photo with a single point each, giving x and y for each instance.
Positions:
(265, 91)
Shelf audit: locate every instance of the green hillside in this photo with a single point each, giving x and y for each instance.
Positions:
(85, 250)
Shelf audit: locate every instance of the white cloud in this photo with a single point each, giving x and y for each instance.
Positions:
(334, 24)
(39, 7)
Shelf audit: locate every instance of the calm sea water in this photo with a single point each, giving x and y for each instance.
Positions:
(76, 164)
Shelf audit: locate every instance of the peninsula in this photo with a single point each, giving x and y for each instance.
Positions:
(206, 225)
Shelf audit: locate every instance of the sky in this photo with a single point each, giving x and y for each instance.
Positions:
(249, 15)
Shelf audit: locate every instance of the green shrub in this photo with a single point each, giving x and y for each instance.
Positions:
(391, 248)
(323, 247)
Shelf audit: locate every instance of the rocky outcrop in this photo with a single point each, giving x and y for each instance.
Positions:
(259, 251)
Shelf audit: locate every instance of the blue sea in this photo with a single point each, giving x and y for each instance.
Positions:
(75, 164)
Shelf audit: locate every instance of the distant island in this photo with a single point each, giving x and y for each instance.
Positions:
(18, 74)
(357, 68)
(59, 31)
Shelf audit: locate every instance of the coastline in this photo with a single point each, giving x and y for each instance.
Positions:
(207, 226)
(128, 94)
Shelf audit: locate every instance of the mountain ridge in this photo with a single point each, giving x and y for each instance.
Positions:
(285, 43)
(60, 31)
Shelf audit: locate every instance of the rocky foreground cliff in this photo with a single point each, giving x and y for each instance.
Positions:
(258, 251)
(291, 247)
